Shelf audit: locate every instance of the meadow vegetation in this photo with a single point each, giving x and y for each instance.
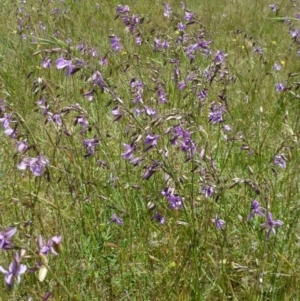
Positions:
(149, 150)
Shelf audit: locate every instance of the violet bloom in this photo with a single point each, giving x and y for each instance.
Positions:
(22, 145)
(129, 149)
(5, 120)
(181, 27)
(208, 191)
(36, 165)
(255, 209)
(56, 118)
(280, 160)
(162, 95)
(46, 248)
(5, 242)
(167, 10)
(216, 114)
(158, 217)
(46, 62)
(151, 140)
(273, 7)
(90, 145)
(219, 223)
(14, 272)
(61, 63)
(279, 87)
(188, 16)
(115, 43)
(116, 219)
(219, 57)
(122, 9)
(270, 224)
(117, 113)
(181, 85)
(175, 201)
(277, 67)
(89, 95)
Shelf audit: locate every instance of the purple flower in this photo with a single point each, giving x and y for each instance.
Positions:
(116, 112)
(277, 67)
(90, 145)
(151, 140)
(122, 9)
(158, 217)
(129, 149)
(219, 223)
(115, 43)
(280, 160)
(61, 63)
(46, 248)
(279, 87)
(188, 16)
(36, 165)
(216, 113)
(22, 145)
(255, 209)
(270, 224)
(162, 96)
(208, 191)
(167, 10)
(273, 7)
(219, 57)
(181, 27)
(89, 95)
(116, 219)
(14, 272)
(5, 120)
(46, 62)
(5, 243)
(175, 201)
(181, 85)
(56, 118)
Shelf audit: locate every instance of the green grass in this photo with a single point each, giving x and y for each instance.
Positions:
(186, 258)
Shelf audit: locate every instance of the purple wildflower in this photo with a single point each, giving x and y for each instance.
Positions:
(129, 149)
(46, 62)
(280, 160)
(22, 145)
(258, 50)
(216, 113)
(151, 140)
(277, 67)
(158, 217)
(162, 96)
(5, 120)
(270, 224)
(116, 219)
(36, 165)
(56, 118)
(90, 145)
(15, 270)
(273, 7)
(219, 223)
(208, 191)
(117, 113)
(167, 10)
(46, 248)
(255, 209)
(181, 27)
(5, 243)
(89, 95)
(175, 201)
(115, 43)
(61, 63)
(181, 85)
(219, 57)
(122, 9)
(188, 16)
(279, 87)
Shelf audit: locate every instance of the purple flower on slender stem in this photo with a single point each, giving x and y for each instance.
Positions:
(90, 145)
(255, 209)
(280, 160)
(188, 16)
(151, 141)
(270, 224)
(129, 149)
(219, 57)
(167, 10)
(36, 165)
(181, 85)
(219, 223)
(46, 248)
(279, 87)
(277, 67)
(117, 113)
(22, 145)
(5, 243)
(122, 9)
(216, 113)
(273, 7)
(162, 95)
(61, 63)
(15, 270)
(208, 191)
(115, 43)
(175, 201)
(158, 217)
(116, 219)
(5, 120)
(181, 27)
(46, 62)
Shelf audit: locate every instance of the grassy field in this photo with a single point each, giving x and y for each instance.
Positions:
(149, 150)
